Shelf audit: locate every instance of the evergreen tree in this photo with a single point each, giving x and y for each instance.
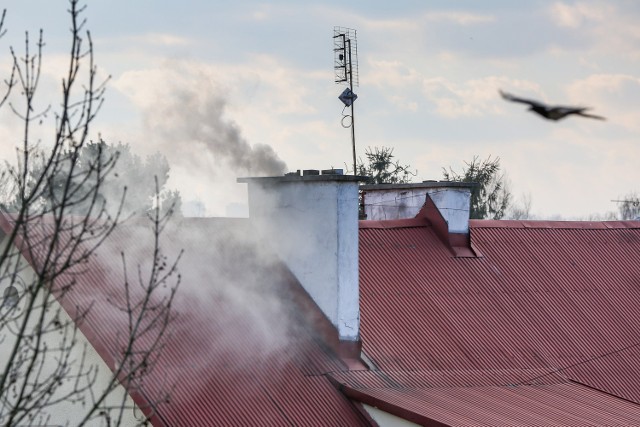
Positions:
(381, 169)
(491, 198)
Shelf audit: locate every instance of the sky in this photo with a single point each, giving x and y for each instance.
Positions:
(226, 89)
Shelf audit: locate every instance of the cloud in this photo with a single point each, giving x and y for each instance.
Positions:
(475, 97)
(262, 13)
(394, 74)
(613, 95)
(458, 18)
(575, 15)
(161, 39)
(605, 24)
(416, 22)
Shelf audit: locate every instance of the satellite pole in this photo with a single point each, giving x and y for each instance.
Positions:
(345, 49)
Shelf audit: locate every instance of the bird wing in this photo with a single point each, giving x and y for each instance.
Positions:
(578, 111)
(591, 116)
(512, 98)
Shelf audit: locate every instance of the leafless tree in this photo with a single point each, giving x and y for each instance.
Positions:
(520, 209)
(629, 206)
(47, 252)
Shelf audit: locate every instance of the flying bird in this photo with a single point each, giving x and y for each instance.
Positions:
(555, 112)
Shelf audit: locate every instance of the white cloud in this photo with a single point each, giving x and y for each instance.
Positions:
(475, 97)
(610, 27)
(262, 13)
(416, 23)
(577, 14)
(612, 95)
(162, 39)
(459, 18)
(390, 74)
(264, 80)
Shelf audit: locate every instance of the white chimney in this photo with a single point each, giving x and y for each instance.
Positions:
(311, 221)
(399, 201)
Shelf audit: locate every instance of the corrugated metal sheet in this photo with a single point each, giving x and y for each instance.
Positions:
(443, 379)
(239, 352)
(552, 297)
(542, 405)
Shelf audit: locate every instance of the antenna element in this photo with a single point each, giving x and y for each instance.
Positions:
(345, 65)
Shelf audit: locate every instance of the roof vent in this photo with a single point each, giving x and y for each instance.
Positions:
(332, 171)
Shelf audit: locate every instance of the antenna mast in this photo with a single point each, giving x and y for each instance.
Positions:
(345, 49)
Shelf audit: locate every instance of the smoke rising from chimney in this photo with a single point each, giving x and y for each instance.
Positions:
(185, 115)
(192, 126)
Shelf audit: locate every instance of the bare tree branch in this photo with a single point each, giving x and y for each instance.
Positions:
(55, 220)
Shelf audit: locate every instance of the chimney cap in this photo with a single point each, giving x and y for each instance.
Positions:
(303, 178)
(332, 171)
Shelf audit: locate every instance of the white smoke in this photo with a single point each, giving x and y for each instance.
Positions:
(185, 115)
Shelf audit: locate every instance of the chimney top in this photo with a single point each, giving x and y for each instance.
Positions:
(309, 175)
(322, 212)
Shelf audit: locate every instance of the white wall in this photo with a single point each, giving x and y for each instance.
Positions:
(405, 201)
(312, 224)
(385, 419)
(66, 411)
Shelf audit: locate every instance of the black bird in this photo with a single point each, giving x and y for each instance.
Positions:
(555, 112)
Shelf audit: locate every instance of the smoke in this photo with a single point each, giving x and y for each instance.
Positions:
(192, 123)
(234, 304)
(185, 115)
(229, 280)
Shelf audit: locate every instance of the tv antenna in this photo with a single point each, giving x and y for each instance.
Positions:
(345, 64)
(633, 202)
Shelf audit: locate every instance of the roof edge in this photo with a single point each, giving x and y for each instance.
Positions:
(543, 224)
(384, 405)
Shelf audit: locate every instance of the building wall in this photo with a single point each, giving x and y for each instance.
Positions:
(66, 412)
(405, 201)
(313, 227)
(385, 419)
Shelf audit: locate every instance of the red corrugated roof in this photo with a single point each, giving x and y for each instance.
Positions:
(240, 351)
(555, 298)
(542, 405)
(539, 329)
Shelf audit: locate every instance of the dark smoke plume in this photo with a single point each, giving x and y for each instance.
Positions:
(194, 132)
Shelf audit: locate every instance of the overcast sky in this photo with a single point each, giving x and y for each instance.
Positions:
(204, 81)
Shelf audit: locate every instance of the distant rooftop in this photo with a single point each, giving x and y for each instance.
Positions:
(423, 184)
